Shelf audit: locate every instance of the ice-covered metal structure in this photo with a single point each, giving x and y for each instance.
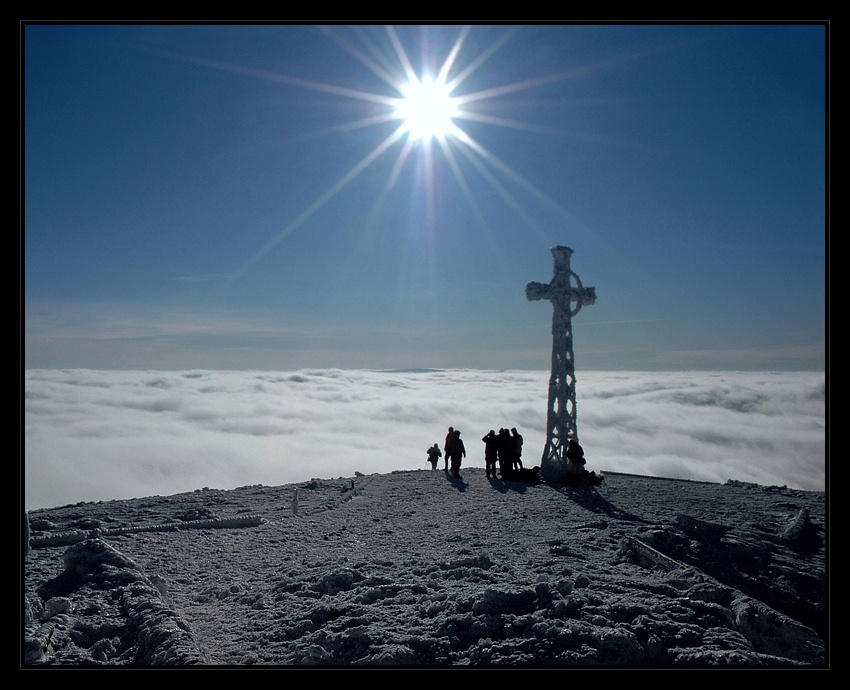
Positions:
(568, 296)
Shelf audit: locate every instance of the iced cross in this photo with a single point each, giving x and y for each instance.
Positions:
(561, 416)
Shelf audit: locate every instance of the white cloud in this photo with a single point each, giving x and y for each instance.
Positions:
(96, 435)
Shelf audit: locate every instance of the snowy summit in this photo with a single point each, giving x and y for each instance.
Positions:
(417, 568)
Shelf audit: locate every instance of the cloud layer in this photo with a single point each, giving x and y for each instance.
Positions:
(97, 435)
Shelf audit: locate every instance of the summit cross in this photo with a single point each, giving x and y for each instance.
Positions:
(564, 290)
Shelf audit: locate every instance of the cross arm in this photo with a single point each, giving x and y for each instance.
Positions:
(585, 296)
(538, 291)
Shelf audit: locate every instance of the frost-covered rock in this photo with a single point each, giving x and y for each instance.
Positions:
(102, 609)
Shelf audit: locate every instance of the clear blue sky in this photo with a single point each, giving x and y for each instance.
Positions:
(238, 196)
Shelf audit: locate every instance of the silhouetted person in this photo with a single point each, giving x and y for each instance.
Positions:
(506, 453)
(450, 437)
(517, 439)
(491, 452)
(575, 454)
(458, 451)
(434, 455)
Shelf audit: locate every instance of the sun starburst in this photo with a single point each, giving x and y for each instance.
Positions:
(427, 109)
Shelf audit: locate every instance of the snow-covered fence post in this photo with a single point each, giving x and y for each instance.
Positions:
(561, 416)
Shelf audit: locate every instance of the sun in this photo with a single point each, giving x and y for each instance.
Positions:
(427, 103)
(427, 109)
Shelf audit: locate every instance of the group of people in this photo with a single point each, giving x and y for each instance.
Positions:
(503, 449)
(503, 458)
(454, 449)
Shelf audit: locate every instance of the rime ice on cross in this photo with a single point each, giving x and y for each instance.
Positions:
(561, 417)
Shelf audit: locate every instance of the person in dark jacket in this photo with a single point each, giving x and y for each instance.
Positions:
(506, 453)
(457, 451)
(434, 455)
(575, 454)
(450, 437)
(491, 453)
(517, 439)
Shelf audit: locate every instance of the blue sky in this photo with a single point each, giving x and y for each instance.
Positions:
(238, 197)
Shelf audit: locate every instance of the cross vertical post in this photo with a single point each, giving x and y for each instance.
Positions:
(564, 289)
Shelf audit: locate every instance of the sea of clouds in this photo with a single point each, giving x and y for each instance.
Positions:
(93, 435)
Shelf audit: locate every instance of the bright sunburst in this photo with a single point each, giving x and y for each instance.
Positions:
(426, 109)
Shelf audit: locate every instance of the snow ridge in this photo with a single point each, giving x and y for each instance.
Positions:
(141, 629)
(766, 628)
(68, 538)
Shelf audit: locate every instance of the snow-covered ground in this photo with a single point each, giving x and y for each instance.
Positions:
(418, 568)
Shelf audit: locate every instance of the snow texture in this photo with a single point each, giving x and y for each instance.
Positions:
(416, 568)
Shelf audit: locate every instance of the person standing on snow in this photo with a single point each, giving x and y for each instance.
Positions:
(450, 437)
(505, 447)
(491, 452)
(434, 455)
(517, 459)
(457, 452)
